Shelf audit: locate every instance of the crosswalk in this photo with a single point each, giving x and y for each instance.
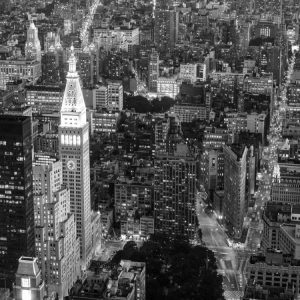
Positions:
(233, 295)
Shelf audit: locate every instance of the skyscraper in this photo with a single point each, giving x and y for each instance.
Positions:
(53, 66)
(74, 153)
(16, 201)
(175, 193)
(114, 94)
(166, 28)
(57, 246)
(235, 171)
(33, 46)
(153, 71)
(88, 66)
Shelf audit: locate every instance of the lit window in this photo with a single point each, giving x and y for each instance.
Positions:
(25, 282)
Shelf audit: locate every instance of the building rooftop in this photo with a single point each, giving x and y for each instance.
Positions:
(296, 209)
(274, 257)
(44, 88)
(106, 280)
(253, 291)
(289, 170)
(13, 118)
(291, 231)
(275, 211)
(135, 181)
(237, 149)
(27, 266)
(19, 61)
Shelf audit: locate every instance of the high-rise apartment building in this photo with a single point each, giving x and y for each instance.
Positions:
(166, 28)
(16, 200)
(56, 244)
(162, 127)
(133, 195)
(108, 96)
(153, 71)
(235, 171)
(104, 121)
(175, 193)
(53, 67)
(33, 46)
(88, 67)
(75, 156)
(100, 97)
(114, 95)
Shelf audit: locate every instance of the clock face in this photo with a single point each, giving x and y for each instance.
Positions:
(71, 165)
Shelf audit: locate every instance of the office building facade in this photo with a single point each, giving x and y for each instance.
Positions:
(16, 199)
(56, 243)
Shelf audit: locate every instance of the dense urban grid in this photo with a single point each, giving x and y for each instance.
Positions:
(149, 149)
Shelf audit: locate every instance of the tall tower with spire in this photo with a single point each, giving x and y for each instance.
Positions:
(33, 46)
(74, 153)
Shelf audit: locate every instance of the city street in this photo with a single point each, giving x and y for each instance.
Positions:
(231, 262)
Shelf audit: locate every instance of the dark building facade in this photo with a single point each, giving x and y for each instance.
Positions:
(53, 68)
(16, 199)
(174, 194)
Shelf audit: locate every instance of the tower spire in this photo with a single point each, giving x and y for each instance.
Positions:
(31, 23)
(73, 109)
(72, 61)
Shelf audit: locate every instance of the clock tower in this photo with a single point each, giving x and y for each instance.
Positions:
(74, 153)
(33, 46)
